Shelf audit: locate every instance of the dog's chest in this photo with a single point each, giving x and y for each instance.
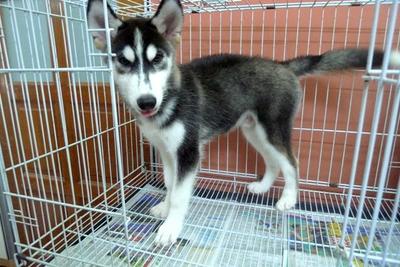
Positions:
(168, 139)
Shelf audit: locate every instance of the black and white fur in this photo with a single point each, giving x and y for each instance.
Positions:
(179, 108)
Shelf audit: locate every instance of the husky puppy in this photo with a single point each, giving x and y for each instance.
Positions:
(181, 107)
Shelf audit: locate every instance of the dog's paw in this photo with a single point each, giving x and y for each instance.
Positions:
(160, 210)
(286, 202)
(257, 188)
(168, 233)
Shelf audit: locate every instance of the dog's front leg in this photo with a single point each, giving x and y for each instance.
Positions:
(161, 210)
(187, 160)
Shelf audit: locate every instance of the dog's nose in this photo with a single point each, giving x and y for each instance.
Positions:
(146, 102)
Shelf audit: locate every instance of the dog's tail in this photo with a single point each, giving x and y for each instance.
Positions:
(338, 60)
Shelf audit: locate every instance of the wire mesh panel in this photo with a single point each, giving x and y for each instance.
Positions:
(60, 127)
(78, 179)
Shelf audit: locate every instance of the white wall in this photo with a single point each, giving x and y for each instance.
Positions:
(3, 253)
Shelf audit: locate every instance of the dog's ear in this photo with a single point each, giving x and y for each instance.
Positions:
(96, 20)
(169, 19)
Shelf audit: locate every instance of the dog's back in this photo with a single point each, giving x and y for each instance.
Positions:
(230, 85)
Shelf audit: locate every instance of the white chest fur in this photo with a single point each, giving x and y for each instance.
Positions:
(167, 139)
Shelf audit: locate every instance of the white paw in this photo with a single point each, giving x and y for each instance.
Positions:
(168, 233)
(286, 202)
(257, 187)
(160, 210)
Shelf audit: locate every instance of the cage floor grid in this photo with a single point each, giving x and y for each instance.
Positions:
(221, 229)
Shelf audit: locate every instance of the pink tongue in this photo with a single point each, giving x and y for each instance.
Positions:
(147, 113)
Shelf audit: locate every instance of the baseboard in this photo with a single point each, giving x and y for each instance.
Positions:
(6, 263)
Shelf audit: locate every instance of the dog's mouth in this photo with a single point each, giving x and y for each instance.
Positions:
(148, 113)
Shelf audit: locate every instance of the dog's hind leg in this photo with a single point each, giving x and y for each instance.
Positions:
(279, 134)
(256, 137)
(278, 156)
(289, 169)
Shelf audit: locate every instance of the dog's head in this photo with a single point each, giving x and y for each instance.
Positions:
(145, 52)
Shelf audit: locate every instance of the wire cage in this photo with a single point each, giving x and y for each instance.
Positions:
(78, 178)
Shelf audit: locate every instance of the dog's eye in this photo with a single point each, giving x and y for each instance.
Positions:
(123, 60)
(158, 58)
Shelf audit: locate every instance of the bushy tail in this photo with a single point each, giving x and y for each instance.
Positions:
(337, 60)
